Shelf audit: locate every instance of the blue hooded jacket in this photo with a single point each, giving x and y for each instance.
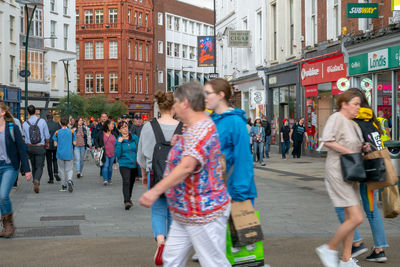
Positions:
(126, 151)
(234, 139)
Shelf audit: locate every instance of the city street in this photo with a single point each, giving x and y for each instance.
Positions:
(91, 228)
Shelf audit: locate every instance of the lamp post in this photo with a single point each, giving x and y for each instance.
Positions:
(65, 62)
(35, 3)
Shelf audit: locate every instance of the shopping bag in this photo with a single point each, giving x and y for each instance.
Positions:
(249, 255)
(245, 227)
(375, 169)
(391, 201)
(391, 174)
(98, 155)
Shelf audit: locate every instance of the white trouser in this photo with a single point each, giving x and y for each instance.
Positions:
(65, 170)
(208, 240)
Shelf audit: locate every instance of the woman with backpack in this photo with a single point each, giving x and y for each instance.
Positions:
(125, 151)
(81, 144)
(12, 156)
(150, 163)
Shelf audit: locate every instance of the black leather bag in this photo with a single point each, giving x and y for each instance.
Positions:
(375, 170)
(353, 167)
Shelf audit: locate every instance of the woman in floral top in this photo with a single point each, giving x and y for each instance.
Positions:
(197, 196)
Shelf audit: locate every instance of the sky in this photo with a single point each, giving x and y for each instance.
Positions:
(201, 3)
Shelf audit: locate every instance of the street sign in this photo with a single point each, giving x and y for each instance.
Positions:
(239, 39)
(23, 74)
(363, 10)
(213, 75)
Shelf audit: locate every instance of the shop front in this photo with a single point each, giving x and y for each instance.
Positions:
(319, 80)
(11, 96)
(377, 71)
(144, 110)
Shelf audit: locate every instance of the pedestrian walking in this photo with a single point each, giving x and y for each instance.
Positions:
(267, 129)
(297, 135)
(126, 152)
(51, 159)
(37, 138)
(248, 126)
(64, 139)
(81, 135)
(106, 140)
(383, 122)
(285, 138)
(158, 135)
(258, 136)
(197, 196)
(371, 131)
(137, 125)
(342, 135)
(12, 157)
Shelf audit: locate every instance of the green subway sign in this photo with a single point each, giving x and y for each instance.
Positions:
(387, 58)
(368, 10)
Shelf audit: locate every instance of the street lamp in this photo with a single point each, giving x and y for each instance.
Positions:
(35, 3)
(66, 61)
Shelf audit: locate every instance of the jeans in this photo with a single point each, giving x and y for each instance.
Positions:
(66, 168)
(160, 217)
(128, 180)
(285, 148)
(258, 148)
(51, 163)
(37, 155)
(8, 175)
(79, 153)
(107, 168)
(374, 219)
(267, 141)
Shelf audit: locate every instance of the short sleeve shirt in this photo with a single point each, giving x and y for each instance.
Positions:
(64, 138)
(202, 197)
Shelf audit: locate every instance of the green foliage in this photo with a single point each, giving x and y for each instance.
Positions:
(78, 105)
(117, 109)
(96, 105)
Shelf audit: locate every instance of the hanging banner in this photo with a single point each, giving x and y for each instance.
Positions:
(205, 51)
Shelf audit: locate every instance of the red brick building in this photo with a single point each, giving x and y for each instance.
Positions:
(114, 44)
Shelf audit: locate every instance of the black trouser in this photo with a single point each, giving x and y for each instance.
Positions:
(297, 148)
(128, 180)
(51, 163)
(37, 155)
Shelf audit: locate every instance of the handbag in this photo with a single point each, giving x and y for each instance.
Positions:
(390, 172)
(353, 167)
(98, 156)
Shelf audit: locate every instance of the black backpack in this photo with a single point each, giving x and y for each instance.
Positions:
(34, 132)
(161, 150)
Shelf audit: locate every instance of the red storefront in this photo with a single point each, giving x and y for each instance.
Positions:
(319, 80)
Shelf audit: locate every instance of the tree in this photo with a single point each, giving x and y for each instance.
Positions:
(78, 105)
(117, 109)
(96, 105)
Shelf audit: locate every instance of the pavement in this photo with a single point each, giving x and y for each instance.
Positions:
(90, 227)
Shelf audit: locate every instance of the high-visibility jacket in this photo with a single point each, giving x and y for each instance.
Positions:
(384, 136)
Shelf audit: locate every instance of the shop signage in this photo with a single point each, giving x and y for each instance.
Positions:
(213, 75)
(362, 10)
(139, 106)
(311, 91)
(272, 80)
(239, 39)
(321, 71)
(377, 60)
(335, 89)
(395, 4)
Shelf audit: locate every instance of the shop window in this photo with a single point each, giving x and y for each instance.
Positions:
(384, 92)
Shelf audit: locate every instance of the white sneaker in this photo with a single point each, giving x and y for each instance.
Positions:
(328, 257)
(351, 263)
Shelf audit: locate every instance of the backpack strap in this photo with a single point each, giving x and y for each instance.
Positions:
(37, 121)
(157, 131)
(178, 129)
(11, 129)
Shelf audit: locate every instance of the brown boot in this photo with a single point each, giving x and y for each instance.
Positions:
(9, 227)
(3, 223)
(36, 187)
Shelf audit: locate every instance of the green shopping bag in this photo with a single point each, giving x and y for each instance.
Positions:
(250, 255)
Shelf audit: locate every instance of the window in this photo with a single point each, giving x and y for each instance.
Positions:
(22, 20)
(88, 16)
(336, 18)
(258, 38)
(113, 50)
(77, 51)
(135, 51)
(99, 83)
(147, 84)
(140, 84)
(77, 16)
(146, 20)
(140, 18)
(65, 36)
(140, 52)
(185, 25)
(129, 50)
(313, 22)
(113, 82)
(147, 53)
(89, 83)
(88, 50)
(129, 16)
(65, 7)
(169, 22)
(78, 83)
(12, 69)
(198, 28)
(192, 54)
(136, 84)
(99, 50)
(176, 50)
(53, 5)
(129, 82)
(12, 26)
(184, 51)
(160, 76)
(37, 23)
(160, 47)
(274, 32)
(160, 18)
(53, 75)
(205, 29)
(176, 24)
(169, 49)
(98, 13)
(191, 27)
(113, 15)
(53, 33)
(291, 26)
(35, 64)
(135, 17)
